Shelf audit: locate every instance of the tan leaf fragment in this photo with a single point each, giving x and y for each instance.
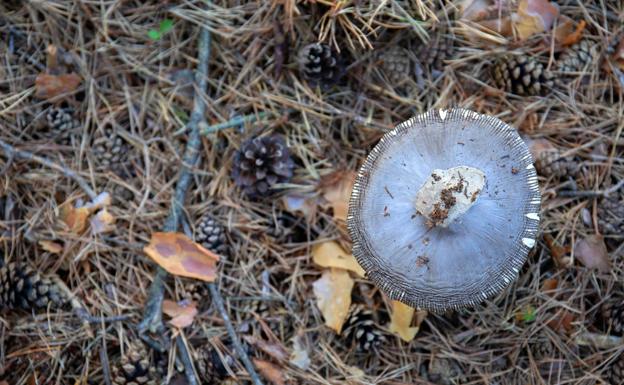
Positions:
(333, 296)
(300, 356)
(74, 218)
(179, 255)
(337, 191)
(49, 86)
(592, 252)
(330, 254)
(273, 349)
(535, 16)
(102, 222)
(401, 320)
(270, 371)
(51, 246)
(182, 313)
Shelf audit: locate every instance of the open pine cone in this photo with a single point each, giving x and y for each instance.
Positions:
(260, 163)
(319, 64)
(23, 287)
(136, 367)
(522, 75)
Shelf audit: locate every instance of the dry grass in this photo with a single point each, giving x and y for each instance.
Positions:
(128, 86)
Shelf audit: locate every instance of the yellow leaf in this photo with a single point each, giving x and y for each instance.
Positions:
(74, 218)
(182, 313)
(333, 296)
(51, 246)
(401, 320)
(330, 254)
(535, 16)
(179, 255)
(337, 192)
(102, 222)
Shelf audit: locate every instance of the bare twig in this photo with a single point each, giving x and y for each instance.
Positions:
(234, 122)
(186, 359)
(21, 154)
(591, 194)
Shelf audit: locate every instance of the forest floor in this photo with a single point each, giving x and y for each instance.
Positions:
(105, 89)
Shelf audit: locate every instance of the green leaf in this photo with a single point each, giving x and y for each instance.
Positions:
(153, 34)
(529, 314)
(166, 26)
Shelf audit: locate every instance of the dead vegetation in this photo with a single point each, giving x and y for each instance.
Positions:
(555, 324)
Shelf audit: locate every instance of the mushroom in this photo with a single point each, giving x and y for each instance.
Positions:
(445, 209)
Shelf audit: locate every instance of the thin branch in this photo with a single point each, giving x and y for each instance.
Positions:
(591, 194)
(186, 359)
(12, 152)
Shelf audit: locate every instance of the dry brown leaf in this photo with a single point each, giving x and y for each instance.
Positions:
(592, 252)
(330, 254)
(74, 218)
(337, 191)
(51, 246)
(549, 285)
(49, 86)
(273, 349)
(179, 255)
(270, 371)
(568, 32)
(102, 222)
(182, 313)
(562, 322)
(401, 320)
(534, 16)
(333, 296)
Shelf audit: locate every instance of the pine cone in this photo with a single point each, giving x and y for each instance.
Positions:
(319, 64)
(396, 65)
(542, 347)
(445, 371)
(60, 125)
(135, 367)
(23, 287)
(439, 48)
(111, 152)
(196, 291)
(550, 162)
(615, 372)
(613, 314)
(611, 215)
(522, 75)
(577, 58)
(362, 329)
(260, 163)
(212, 365)
(211, 235)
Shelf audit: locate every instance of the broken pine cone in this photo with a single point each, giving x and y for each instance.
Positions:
(211, 235)
(319, 64)
(439, 48)
(23, 287)
(111, 152)
(577, 58)
(136, 367)
(611, 215)
(260, 164)
(61, 123)
(613, 314)
(362, 330)
(214, 366)
(396, 65)
(549, 162)
(522, 75)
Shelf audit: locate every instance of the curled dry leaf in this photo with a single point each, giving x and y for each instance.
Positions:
(333, 296)
(274, 349)
(51, 246)
(182, 313)
(102, 222)
(179, 255)
(562, 321)
(270, 371)
(49, 86)
(592, 252)
(74, 218)
(330, 254)
(401, 321)
(337, 191)
(534, 16)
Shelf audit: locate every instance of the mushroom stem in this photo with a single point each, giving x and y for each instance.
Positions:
(447, 194)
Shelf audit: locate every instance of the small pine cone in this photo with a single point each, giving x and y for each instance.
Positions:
(437, 50)
(23, 287)
(577, 58)
(135, 367)
(611, 215)
(260, 163)
(550, 163)
(542, 347)
(319, 64)
(111, 152)
(61, 119)
(613, 314)
(615, 372)
(212, 366)
(211, 235)
(522, 75)
(362, 329)
(445, 371)
(396, 65)
(196, 291)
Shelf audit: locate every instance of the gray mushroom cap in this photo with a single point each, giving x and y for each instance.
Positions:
(477, 255)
